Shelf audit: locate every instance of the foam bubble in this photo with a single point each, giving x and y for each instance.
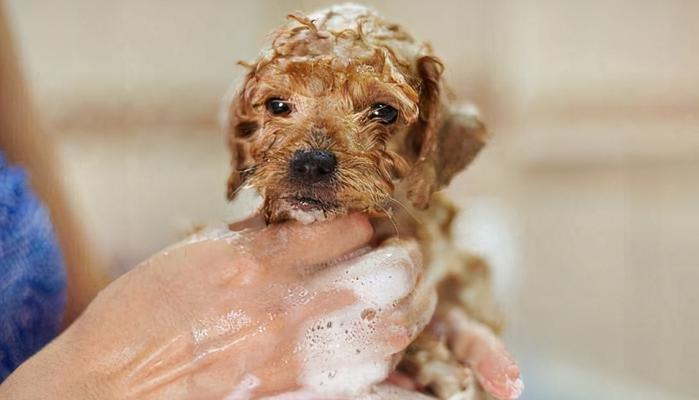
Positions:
(380, 277)
(306, 217)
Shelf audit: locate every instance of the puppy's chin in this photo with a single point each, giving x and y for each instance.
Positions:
(307, 210)
(304, 210)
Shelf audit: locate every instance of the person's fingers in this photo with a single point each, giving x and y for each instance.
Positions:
(207, 233)
(477, 346)
(380, 277)
(403, 255)
(499, 375)
(418, 307)
(410, 246)
(221, 231)
(387, 314)
(410, 316)
(355, 343)
(293, 244)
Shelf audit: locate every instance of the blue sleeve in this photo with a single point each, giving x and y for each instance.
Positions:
(32, 277)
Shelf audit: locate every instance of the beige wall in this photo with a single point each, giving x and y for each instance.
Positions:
(587, 201)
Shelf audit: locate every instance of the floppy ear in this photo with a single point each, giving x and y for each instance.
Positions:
(461, 137)
(241, 125)
(445, 140)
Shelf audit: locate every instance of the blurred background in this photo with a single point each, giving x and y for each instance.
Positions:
(586, 201)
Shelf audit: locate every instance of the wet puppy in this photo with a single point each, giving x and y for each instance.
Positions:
(345, 112)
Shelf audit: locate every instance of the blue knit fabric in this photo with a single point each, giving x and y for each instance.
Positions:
(32, 277)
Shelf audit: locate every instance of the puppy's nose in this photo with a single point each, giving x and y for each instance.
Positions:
(310, 166)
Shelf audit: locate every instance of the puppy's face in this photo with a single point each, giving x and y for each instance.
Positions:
(328, 123)
(323, 140)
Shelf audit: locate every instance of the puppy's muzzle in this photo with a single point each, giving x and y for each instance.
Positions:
(312, 166)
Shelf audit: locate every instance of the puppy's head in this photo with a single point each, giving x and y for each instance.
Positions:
(343, 109)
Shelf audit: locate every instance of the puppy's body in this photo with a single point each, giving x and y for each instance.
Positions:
(344, 112)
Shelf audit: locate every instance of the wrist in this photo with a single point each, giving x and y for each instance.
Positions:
(57, 372)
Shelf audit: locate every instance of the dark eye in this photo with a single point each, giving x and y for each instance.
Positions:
(277, 106)
(383, 113)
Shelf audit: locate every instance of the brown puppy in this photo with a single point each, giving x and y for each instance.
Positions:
(344, 112)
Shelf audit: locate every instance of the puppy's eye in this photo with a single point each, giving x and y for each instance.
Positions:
(383, 113)
(277, 106)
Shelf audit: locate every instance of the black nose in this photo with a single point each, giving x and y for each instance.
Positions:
(310, 166)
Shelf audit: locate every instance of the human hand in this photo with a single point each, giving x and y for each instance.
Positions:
(476, 345)
(243, 314)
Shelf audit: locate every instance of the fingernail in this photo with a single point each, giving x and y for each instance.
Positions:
(514, 388)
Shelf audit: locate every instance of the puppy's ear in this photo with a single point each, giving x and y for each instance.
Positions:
(241, 125)
(461, 137)
(445, 140)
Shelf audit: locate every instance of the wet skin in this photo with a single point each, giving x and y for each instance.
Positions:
(285, 311)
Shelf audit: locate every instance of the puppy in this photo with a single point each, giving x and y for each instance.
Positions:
(345, 112)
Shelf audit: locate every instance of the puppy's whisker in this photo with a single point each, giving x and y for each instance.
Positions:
(390, 218)
(238, 189)
(405, 208)
(246, 170)
(247, 185)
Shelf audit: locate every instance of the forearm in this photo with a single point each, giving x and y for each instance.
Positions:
(56, 373)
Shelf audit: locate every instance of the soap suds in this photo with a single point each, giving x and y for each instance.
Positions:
(306, 217)
(229, 323)
(379, 280)
(243, 390)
